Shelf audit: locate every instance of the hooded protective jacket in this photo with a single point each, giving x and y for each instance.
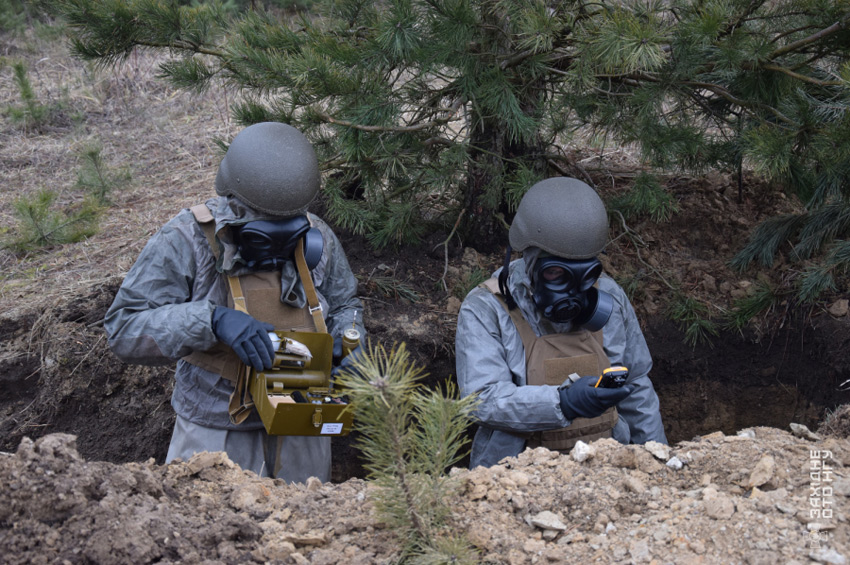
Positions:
(491, 362)
(163, 310)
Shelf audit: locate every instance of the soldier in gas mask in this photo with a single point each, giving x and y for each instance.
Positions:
(533, 340)
(178, 301)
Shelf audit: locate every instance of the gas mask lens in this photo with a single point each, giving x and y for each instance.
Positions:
(556, 275)
(564, 292)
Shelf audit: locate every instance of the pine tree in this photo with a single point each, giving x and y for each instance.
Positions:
(410, 438)
(429, 110)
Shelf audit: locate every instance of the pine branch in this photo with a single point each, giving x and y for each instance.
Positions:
(748, 11)
(396, 129)
(815, 37)
(798, 76)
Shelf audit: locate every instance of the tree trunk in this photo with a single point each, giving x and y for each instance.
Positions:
(493, 158)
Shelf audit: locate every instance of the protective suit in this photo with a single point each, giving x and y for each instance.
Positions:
(491, 362)
(163, 312)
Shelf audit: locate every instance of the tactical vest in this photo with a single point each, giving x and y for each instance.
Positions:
(256, 294)
(550, 360)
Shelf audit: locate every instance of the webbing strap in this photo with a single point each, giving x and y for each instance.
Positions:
(240, 404)
(205, 218)
(309, 288)
(237, 294)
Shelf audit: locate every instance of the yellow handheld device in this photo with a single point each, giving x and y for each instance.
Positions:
(613, 377)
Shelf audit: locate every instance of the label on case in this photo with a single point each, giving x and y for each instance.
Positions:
(331, 429)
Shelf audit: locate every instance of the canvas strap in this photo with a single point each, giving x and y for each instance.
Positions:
(309, 288)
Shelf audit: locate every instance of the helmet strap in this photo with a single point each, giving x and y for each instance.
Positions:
(503, 280)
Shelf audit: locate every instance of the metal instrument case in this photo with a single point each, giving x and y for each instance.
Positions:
(323, 411)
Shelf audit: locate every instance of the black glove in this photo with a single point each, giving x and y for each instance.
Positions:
(357, 354)
(583, 400)
(248, 337)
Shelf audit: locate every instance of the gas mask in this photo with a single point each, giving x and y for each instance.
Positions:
(564, 292)
(266, 245)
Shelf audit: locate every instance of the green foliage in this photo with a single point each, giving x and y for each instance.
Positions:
(242, 5)
(468, 281)
(821, 230)
(693, 318)
(32, 113)
(397, 224)
(410, 438)
(762, 300)
(829, 275)
(433, 107)
(41, 225)
(766, 240)
(391, 287)
(814, 282)
(13, 15)
(518, 183)
(647, 197)
(16, 16)
(96, 178)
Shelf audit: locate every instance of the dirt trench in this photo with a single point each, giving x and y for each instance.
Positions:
(59, 376)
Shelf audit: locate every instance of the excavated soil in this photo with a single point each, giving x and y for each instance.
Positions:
(83, 437)
(745, 498)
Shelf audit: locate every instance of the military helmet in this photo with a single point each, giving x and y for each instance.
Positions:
(272, 168)
(562, 216)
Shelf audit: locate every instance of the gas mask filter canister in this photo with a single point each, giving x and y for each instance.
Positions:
(265, 245)
(564, 292)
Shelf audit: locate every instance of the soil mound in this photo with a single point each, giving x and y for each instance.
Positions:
(761, 496)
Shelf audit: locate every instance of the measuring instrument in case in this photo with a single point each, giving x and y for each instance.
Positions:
(296, 397)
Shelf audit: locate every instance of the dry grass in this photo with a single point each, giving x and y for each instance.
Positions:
(165, 138)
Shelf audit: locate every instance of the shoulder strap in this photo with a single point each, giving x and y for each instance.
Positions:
(309, 288)
(526, 334)
(205, 219)
(202, 213)
(523, 327)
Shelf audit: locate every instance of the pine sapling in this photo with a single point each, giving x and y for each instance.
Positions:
(32, 114)
(410, 437)
(40, 224)
(95, 177)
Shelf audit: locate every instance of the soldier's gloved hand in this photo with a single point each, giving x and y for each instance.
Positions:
(357, 354)
(247, 336)
(583, 400)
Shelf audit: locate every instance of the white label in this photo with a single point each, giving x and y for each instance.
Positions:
(331, 429)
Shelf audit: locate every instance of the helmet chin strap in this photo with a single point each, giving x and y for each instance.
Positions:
(503, 280)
